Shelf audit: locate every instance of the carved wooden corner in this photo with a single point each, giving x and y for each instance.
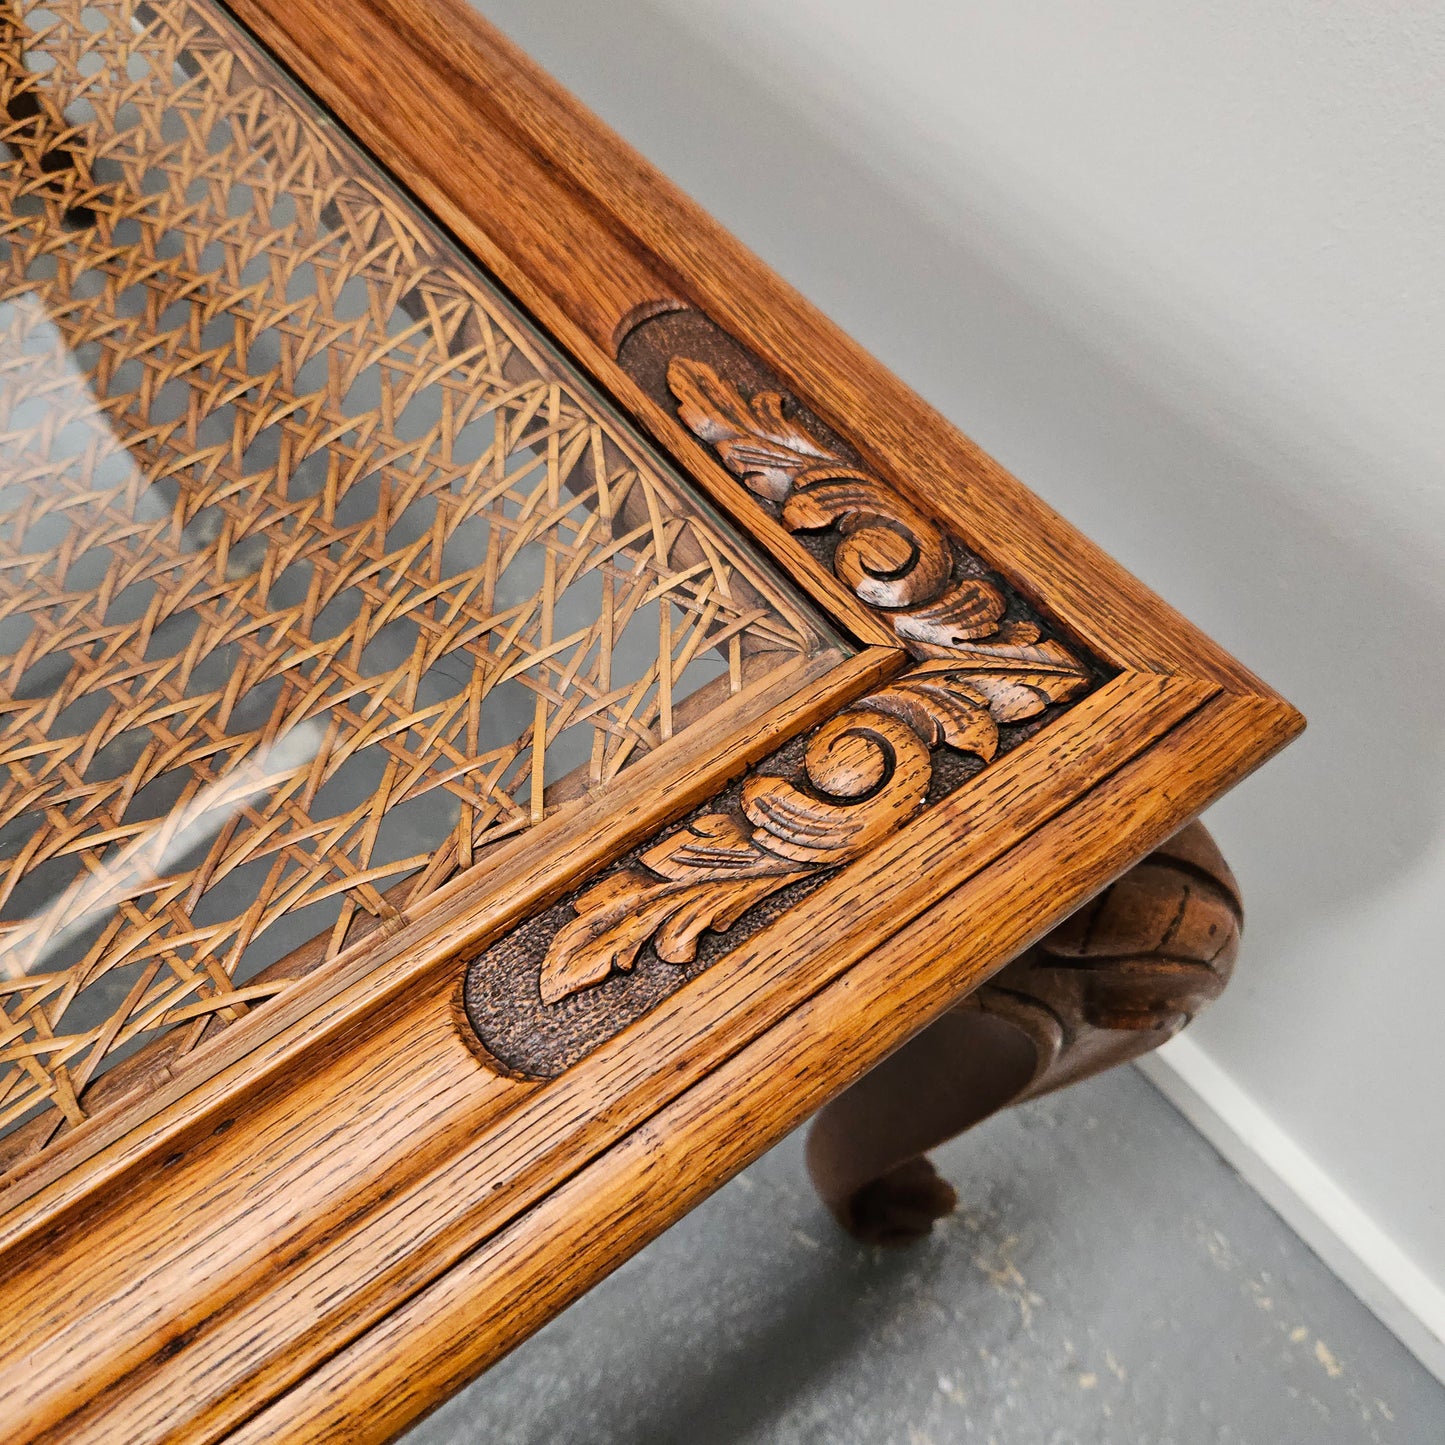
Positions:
(981, 672)
(868, 769)
(980, 669)
(1110, 983)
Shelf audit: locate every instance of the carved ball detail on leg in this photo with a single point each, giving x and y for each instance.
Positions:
(1110, 983)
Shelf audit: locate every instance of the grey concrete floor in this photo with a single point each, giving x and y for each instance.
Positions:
(1108, 1280)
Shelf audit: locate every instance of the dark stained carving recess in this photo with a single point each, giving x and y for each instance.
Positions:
(988, 675)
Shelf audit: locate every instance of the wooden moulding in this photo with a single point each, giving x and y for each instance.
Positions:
(988, 674)
(364, 1203)
(511, 1285)
(591, 239)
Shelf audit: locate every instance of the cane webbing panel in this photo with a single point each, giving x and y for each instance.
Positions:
(319, 572)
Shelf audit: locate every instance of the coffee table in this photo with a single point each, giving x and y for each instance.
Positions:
(506, 712)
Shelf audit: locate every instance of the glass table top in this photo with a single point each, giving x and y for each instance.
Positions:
(321, 571)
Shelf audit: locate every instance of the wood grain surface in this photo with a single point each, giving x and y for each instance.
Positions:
(496, 1295)
(353, 1212)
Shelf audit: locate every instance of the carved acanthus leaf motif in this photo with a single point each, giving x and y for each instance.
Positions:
(948, 701)
(893, 556)
(890, 554)
(971, 608)
(866, 771)
(754, 438)
(671, 905)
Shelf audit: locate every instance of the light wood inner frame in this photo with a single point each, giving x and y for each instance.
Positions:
(352, 1216)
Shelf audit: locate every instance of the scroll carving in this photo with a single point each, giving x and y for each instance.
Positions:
(888, 552)
(866, 771)
(986, 675)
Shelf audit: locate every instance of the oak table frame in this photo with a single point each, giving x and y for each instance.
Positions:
(370, 1189)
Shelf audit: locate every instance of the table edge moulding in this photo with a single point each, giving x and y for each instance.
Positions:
(419, 1153)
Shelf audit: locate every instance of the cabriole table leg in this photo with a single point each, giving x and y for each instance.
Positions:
(1110, 983)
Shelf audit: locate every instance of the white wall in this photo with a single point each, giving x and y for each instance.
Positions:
(1182, 268)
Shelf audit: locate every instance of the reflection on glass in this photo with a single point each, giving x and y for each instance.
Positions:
(319, 571)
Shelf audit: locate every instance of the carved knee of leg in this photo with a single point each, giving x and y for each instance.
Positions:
(1108, 984)
(1131, 968)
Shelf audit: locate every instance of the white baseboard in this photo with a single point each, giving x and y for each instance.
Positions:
(1399, 1292)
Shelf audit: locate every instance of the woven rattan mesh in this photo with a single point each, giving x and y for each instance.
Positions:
(318, 571)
